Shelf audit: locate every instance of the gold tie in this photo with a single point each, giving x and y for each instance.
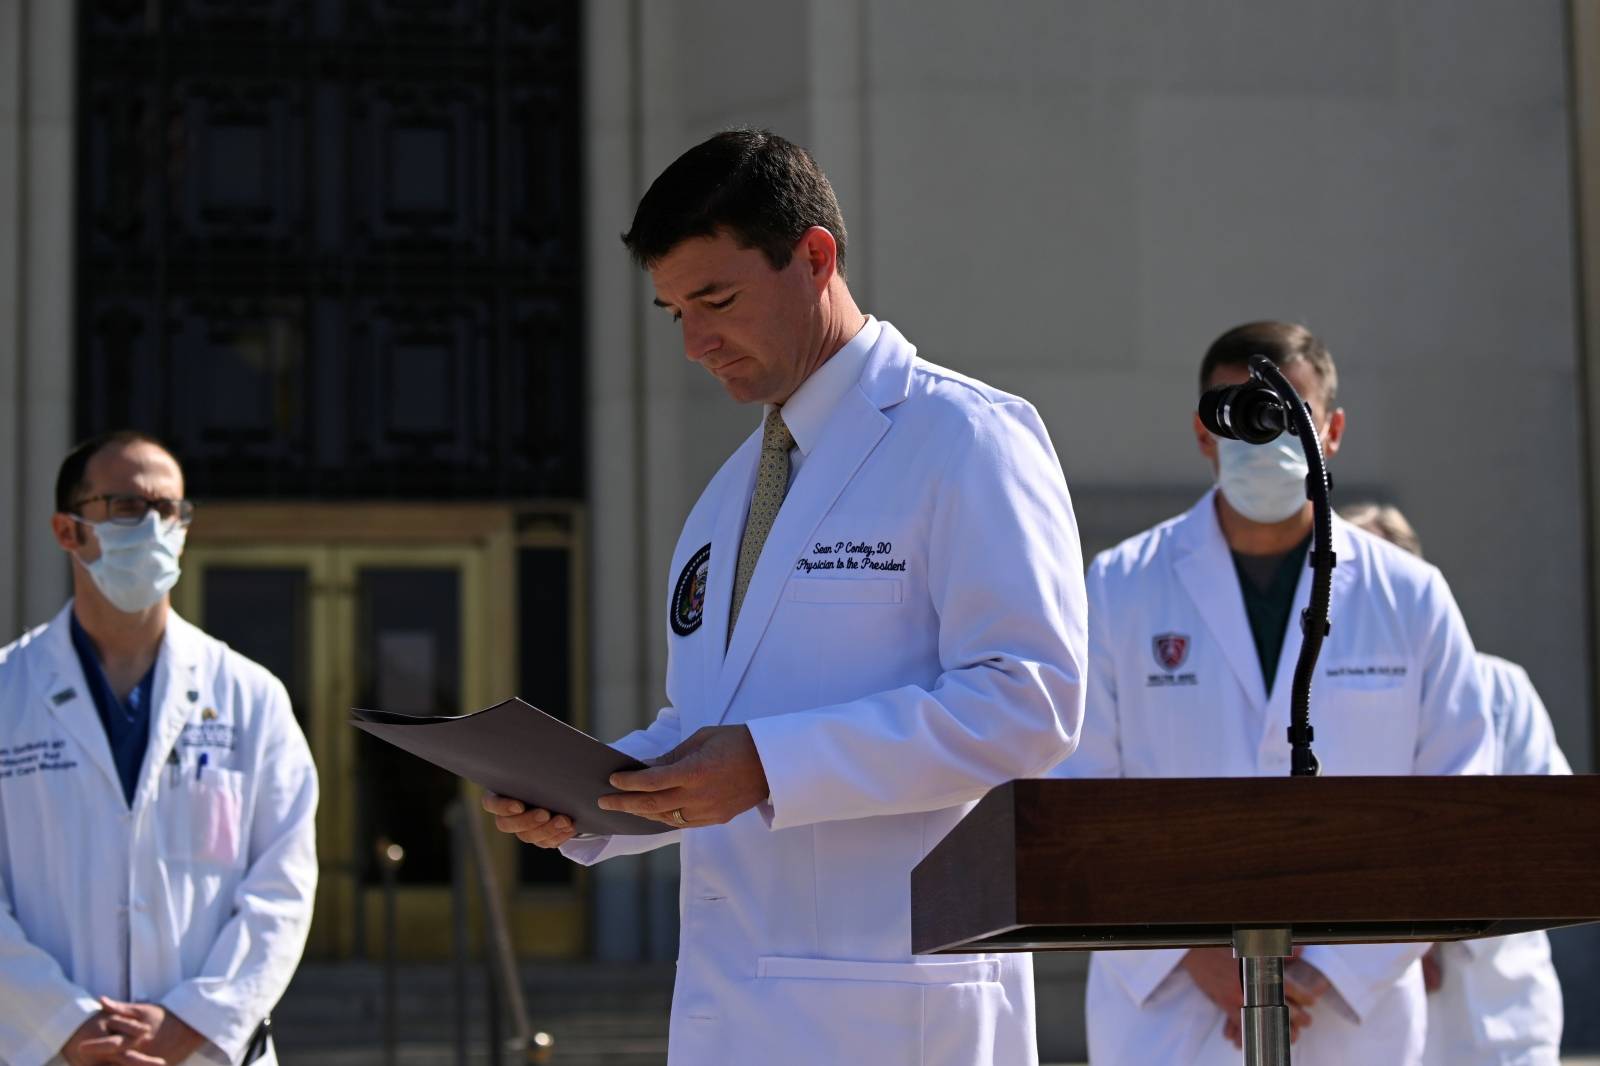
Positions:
(772, 484)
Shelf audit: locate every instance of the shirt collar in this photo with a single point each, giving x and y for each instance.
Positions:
(94, 675)
(809, 409)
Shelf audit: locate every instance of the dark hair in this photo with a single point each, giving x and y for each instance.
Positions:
(765, 191)
(1285, 343)
(69, 479)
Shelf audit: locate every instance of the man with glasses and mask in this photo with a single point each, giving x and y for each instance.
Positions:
(1192, 648)
(157, 799)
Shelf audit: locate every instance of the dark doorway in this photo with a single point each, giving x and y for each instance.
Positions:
(330, 248)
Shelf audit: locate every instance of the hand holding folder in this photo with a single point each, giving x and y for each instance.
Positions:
(517, 750)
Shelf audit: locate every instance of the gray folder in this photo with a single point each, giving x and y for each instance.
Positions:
(515, 749)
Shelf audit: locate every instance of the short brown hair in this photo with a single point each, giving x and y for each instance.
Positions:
(763, 190)
(69, 479)
(1383, 520)
(1285, 343)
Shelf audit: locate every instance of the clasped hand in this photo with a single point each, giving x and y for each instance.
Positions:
(1216, 972)
(131, 1034)
(711, 778)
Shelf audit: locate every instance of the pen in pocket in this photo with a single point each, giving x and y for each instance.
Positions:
(172, 767)
(200, 764)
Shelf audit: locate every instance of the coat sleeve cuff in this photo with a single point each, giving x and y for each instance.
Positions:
(49, 1038)
(1361, 990)
(586, 851)
(1477, 947)
(1140, 973)
(786, 805)
(225, 1027)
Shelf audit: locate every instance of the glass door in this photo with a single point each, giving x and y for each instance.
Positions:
(419, 629)
(412, 618)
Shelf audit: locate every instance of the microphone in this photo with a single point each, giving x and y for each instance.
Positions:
(1251, 412)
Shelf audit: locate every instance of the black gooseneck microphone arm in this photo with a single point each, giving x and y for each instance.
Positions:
(1314, 623)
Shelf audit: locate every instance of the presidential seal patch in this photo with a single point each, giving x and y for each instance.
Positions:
(688, 607)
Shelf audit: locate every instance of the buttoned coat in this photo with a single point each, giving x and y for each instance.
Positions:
(198, 896)
(913, 635)
(1176, 690)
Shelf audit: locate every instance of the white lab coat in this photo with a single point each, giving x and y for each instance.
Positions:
(884, 702)
(1499, 1003)
(1396, 692)
(198, 898)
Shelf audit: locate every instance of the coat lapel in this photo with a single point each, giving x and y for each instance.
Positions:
(852, 432)
(1294, 638)
(1207, 574)
(66, 693)
(726, 532)
(171, 706)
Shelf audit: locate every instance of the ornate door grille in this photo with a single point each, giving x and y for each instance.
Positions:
(330, 248)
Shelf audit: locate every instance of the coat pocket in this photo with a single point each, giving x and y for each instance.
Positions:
(915, 973)
(845, 590)
(202, 815)
(885, 1013)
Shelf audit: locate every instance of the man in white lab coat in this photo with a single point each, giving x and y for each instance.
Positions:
(1495, 1001)
(1192, 648)
(157, 857)
(875, 614)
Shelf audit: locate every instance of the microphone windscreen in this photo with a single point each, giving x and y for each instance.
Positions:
(1212, 402)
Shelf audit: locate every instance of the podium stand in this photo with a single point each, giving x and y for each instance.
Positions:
(1260, 864)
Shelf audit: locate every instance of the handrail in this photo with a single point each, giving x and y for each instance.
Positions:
(532, 1046)
(390, 856)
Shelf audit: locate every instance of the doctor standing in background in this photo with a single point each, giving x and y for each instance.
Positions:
(157, 851)
(874, 614)
(1192, 648)
(1495, 1001)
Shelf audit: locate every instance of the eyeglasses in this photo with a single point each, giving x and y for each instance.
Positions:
(129, 510)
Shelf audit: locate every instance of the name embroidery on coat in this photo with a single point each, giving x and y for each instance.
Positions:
(39, 756)
(866, 555)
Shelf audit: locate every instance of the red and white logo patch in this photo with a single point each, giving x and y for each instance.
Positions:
(1170, 650)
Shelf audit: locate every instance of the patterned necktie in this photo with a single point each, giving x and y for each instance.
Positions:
(772, 484)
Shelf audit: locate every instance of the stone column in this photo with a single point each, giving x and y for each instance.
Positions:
(36, 297)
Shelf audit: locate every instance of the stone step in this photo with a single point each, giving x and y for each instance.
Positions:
(598, 1013)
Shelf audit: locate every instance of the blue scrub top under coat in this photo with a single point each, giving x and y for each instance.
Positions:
(127, 725)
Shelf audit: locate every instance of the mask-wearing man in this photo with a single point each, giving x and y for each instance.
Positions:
(157, 856)
(1494, 1001)
(1191, 663)
(874, 615)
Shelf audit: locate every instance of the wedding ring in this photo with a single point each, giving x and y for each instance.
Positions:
(677, 818)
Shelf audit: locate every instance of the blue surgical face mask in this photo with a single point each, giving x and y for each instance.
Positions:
(137, 564)
(1264, 482)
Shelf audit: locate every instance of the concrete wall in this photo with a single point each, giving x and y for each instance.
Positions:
(36, 159)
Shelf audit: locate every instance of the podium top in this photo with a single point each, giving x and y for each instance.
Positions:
(1052, 865)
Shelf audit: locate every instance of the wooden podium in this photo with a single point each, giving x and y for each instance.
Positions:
(1045, 865)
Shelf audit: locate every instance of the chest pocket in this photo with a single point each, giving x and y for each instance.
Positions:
(854, 590)
(1365, 715)
(201, 816)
